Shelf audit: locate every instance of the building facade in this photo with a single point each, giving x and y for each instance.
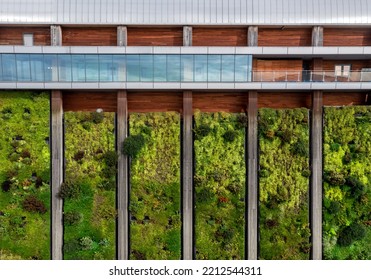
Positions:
(165, 55)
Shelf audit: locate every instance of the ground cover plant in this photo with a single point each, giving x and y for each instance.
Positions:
(219, 185)
(154, 150)
(284, 184)
(347, 183)
(24, 176)
(90, 186)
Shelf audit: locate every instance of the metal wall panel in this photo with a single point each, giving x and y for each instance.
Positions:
(187, 12)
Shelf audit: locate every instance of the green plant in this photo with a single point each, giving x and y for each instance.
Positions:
(33, 204)
(202, 130)
(300, 148)
(6, 185)
(350, 234)
(97, 117)
(78, 156)
(86, 243)
(72, 218)
(242, 121)
(69, 191)
(230, 136)
(133, 144)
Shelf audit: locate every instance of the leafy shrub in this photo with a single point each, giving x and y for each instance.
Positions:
(133, 144)
(33, 204)
(335, 147)
(38, 182)
(6, 185)
(71, 246)
(69, 190)
(72, 218)
(107, 184)
(97, 117)
(78, 156)
(306, 173)
(334, 207)
(269, 134)
(86, 126)
(300, 148)
(242, 121)
(86, 243)
(14, 157)
(202, 130)
(351, 233)
(334, 178)
(347, 158)
(7, 113)
(230, 136)
(357, 187)
(204, 195)
(110, 158)
(25, 154)
(263, 173)
(285, 135)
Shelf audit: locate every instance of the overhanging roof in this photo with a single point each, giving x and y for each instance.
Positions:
(186, 12)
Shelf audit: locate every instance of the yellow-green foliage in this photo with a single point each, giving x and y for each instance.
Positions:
(347, 187)
(87, 139)
(155, 188)
(25, 164)
(284, 184)
(219, 185)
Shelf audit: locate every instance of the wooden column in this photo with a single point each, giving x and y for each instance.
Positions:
(187, 176)
(122, 178)
(252, 36)
(56, 35)
(316, 177)
(57, 174)
(187, 36)
(122, 36)
(317, 36)
(252, 177)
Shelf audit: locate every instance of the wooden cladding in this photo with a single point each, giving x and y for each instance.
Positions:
(356, 65)
(290, 37)
(344, 98)
(14, 35)
(219, 36)
(347, 37)
(89, 36)
(284, 100)
(220, 102)
(89, 101)
(155, 36)
(277, 70)
(145, 102)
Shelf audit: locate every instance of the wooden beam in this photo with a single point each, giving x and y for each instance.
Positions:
(122, 36)
(57, 174)
(187, 36)
(317, 36)
(252, 36)
(122, 179)
(252, 177)
(56, 35)
(187, 174)
(316, 177)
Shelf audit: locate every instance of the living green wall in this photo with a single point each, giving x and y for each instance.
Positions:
(284, 184)
(24, 175)
(219, 185)
(90, 186)
(155, 228)
(347, 183)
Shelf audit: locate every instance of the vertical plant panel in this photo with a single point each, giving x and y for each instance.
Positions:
(347, 184)
(24, 176)
(154, 149)
(219, 185)
(90, 186)
(284, 184)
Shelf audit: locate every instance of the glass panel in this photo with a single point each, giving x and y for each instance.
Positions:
(78, 68)
(105, 68)
(65, 67)
(219, 180)
(9, 67)
(346, 70)
(146, 68)
(51, 67)
(133, 70)
(347, 182)
(242, 68)
(173, 68)
(227, 68)
(23, 67)
(155, 227)
(284, 184)
(89, 187)
(200, 68)
(92, 68)
(119, 68)
(1, 69)
(214, 66)
(24, 176)
(160, 68)
(37, 63)
(338, 69)
(187, 68)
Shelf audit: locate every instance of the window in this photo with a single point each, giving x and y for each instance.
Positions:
(342, 70)
(28, 39)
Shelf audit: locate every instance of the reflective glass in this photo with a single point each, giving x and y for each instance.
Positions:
(119, 68)
(23, 67)
(105, 68)
(65, 68)
(36, 64)
(160, 68)
(227, 68)
(51, 68)
(1, 69)
(173, 68)
(78, 68)
(214, 65)
(133, 69)
(242, 72)
(9, 67)
(187, 68)
(200, 68)
(92, 68)
(146, 68)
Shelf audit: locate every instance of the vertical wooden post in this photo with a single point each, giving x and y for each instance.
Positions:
(187, 176)
(187, 36)
(122, 179)
(317, 36)
(252, 36)
(252, 177)
(56, 35)
(57, 174)
(122, 36)
(316, 177)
